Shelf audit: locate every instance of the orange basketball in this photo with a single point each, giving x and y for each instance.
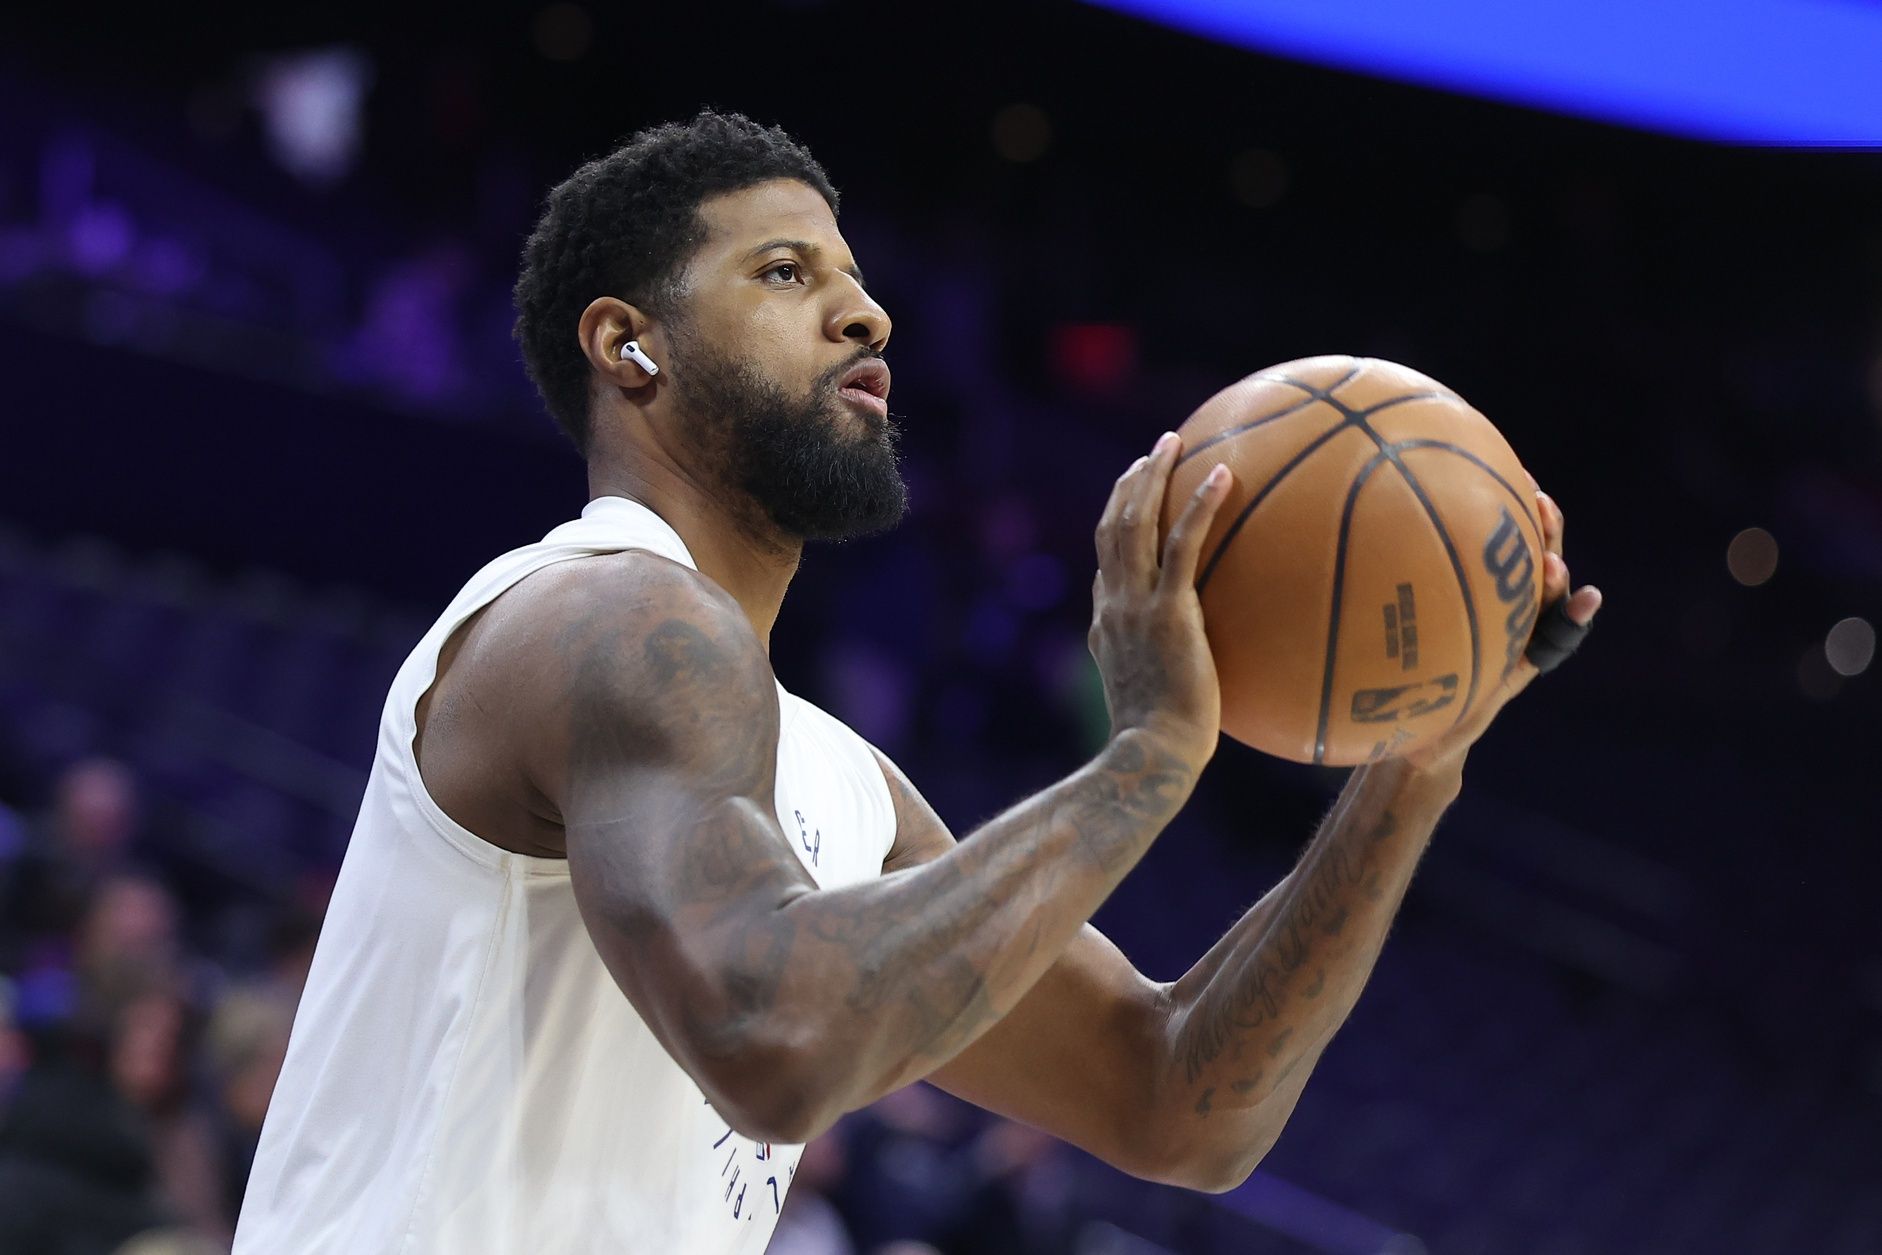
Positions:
(1377, 566)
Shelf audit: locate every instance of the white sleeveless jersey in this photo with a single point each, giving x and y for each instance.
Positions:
(464, 1076)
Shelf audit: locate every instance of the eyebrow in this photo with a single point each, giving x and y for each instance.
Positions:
(809, 251)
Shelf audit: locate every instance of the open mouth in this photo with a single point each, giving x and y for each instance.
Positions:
(867, 384)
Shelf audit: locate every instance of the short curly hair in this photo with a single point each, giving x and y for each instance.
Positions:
(625, 225)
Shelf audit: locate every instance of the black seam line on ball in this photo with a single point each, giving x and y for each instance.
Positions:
(1358, 418)
(1359, 364)
(1249, 426)
(1391, 451)
(1463, 583)
(1349, 417)
(1326, 393)
(1228, 536)
(1333, 615)
(1265, 419)
(1487, 469)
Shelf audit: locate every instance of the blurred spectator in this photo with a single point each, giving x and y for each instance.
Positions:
(127, 946)
(76, 1169)
(906, 1182)
(810, 1223)
(247, 1041)
(13, 1048)
(149, 1064)
(170, 1241)
(295, 932)
(1023, 1201)
(87, 836)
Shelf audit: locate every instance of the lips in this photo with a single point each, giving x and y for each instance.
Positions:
(870, 375)
(867, 384)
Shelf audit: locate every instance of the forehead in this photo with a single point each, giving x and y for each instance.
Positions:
(778, 209)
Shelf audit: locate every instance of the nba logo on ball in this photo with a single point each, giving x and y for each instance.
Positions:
(1361, 486)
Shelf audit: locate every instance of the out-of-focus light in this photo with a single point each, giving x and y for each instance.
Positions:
(312, 102)
(1752, 556)
(1815, 676)
(169, 267)
(1850, 646)
(1258, 178)
(564, 32)
(100, 237)
(1022, 133)
(1093, 358)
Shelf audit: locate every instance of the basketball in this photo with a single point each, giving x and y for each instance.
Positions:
(1377, 566)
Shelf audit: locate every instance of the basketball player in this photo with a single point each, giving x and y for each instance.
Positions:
(624, 922)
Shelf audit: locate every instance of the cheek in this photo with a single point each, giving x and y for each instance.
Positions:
(779, 331)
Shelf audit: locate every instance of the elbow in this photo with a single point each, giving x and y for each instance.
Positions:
(1211, 1161)
(769, 1119)
(771, 1093)
(1218, 1174)
(774, 1113)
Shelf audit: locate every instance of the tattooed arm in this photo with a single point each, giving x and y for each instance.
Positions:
(1249, 1021)
(789, 1004)
(1191, 1083)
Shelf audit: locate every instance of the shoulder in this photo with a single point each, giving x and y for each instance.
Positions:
(626, 655)
(613, 589)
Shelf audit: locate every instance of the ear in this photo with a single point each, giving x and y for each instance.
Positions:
(605, 328)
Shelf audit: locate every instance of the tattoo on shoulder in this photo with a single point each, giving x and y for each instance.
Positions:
(678, 652)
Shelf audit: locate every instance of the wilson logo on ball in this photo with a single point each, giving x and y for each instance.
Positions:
(1506, 557)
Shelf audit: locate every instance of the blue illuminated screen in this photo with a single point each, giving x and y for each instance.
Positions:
(1739, 71)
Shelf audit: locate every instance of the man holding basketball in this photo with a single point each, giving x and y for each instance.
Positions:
(624, 922)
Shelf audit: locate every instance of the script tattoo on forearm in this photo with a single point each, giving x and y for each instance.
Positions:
(1240, 1014)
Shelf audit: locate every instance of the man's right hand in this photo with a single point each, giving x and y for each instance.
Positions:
(1146, 623)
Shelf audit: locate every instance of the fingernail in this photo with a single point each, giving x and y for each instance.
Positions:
(1164, 441)
(1218, 475)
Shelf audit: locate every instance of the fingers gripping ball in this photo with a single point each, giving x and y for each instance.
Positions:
(1556, 637)
(1377, 566)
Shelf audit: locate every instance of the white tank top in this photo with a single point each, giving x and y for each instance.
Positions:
(464, 1076)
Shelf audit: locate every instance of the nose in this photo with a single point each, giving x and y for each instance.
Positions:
(854, 316)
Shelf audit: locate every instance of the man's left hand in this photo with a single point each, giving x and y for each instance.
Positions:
(1447, 752)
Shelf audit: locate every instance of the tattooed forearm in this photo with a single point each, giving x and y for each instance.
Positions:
(927, 959)
(1271, 972)
(1254, 1015)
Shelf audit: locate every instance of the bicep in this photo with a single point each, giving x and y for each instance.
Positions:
(664, 778)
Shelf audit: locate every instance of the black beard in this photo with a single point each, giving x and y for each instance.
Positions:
(789, 455)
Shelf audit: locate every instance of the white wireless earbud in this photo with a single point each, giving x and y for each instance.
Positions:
(632, 352)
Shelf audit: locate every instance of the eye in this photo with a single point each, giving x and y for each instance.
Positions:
(788, 271)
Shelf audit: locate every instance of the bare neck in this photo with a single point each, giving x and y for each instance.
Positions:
(733, 548)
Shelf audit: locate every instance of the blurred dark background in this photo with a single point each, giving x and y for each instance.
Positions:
(261, 416)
